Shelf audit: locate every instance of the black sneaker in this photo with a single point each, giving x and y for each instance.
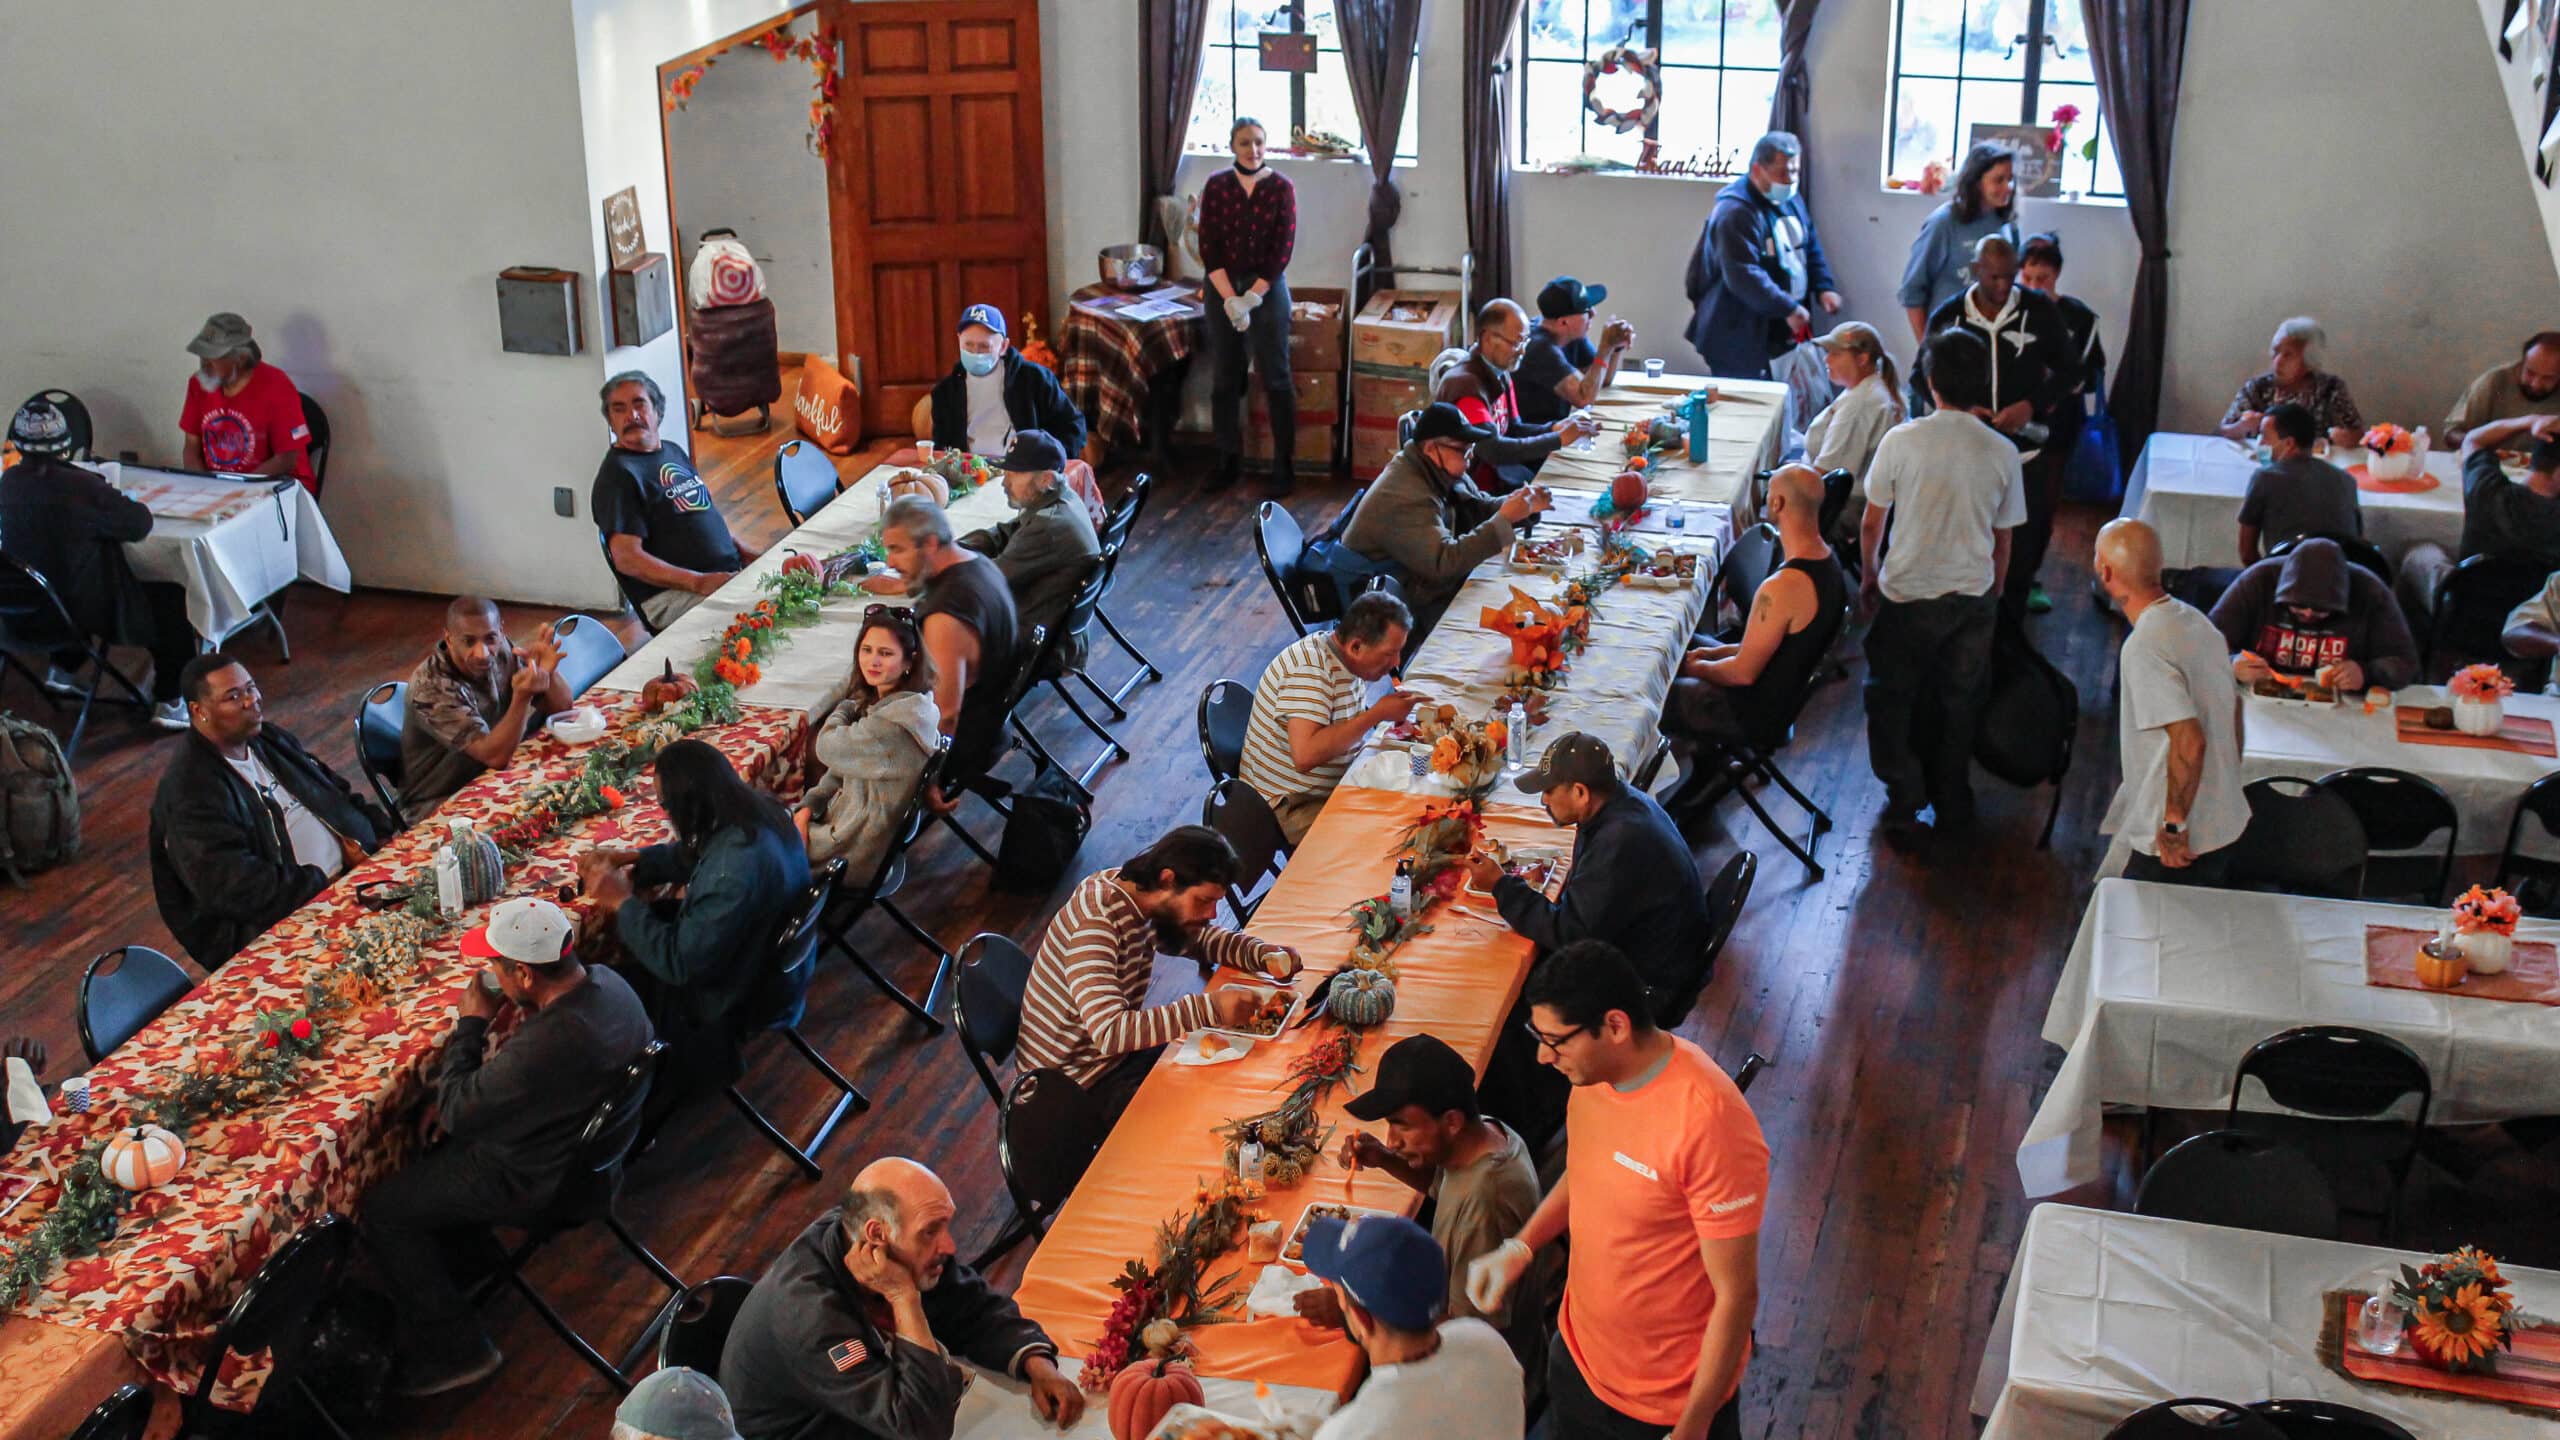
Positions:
(1229, 468)
(434, 1374)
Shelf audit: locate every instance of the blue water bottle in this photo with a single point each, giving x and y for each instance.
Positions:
(1693, 418)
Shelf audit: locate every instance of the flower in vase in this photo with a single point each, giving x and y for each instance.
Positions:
(2495, 912)
(2481, 683)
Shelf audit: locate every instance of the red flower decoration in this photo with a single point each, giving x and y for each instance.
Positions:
(302, 1028)
(611, 797)
(270, 1039)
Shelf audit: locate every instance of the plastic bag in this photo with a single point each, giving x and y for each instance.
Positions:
(723, 273)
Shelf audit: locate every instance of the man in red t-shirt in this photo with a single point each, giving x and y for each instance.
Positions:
(1480, 386)
(243, 416)
(1665, 1177)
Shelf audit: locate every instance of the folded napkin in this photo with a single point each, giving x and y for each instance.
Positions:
(1275, 1292)
(26, 1097)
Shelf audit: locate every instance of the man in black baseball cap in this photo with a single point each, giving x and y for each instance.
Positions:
(1048, 549)
(1561, 369)
(1474, 1167)
(1426, 518)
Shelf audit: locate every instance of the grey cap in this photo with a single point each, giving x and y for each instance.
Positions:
(223, 334)
(678, 1404)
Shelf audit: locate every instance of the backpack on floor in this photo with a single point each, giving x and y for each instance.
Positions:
(1051, 815)
(39, 803)
(2030, 718)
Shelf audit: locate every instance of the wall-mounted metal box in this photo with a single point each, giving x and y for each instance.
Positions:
(643, 300)
(538, 311)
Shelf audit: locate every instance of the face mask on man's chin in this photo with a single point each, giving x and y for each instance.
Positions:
(1780, 191)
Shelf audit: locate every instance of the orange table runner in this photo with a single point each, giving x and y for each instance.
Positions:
(1458, 982)
(2526, 1377)
(2411, 485)
(2532, 974)
(2523, 734)
(184, 1251)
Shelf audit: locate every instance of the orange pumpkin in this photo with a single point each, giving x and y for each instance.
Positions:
(1628, 492)
(143, 1158)
(799, 564)
(1142, 1393)
(667, 689)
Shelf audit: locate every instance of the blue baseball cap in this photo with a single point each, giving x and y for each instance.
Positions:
(986, 315)
(1389, 1265)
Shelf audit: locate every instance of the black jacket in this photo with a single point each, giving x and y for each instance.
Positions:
(221, 866)
(812, 1355)
(1633, 883)
(1032, 400)
(2035, 356)
(519, 1113)
(70, 526)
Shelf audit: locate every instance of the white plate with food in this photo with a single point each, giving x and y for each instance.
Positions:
(1211, 1047)
(1539, 865)
(1279, 1005)
(1186, 1421)
(1667, 570)
(1295, 1251)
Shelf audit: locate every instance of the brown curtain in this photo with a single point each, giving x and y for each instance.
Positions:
(1792, 106)
(1485, 131)
(1377, 55)
(1170, 37)
(2139, 47)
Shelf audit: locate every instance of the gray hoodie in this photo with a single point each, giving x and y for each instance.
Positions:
(2363, 621)
(873, 761)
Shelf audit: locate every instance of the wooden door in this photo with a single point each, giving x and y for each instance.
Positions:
(934, 185)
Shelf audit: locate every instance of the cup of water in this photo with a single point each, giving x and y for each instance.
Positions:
(1653, 369)
(1678, 518)
(2380, 1325)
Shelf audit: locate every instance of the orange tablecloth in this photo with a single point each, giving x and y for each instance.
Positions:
(185, 1251)
(1457, 982)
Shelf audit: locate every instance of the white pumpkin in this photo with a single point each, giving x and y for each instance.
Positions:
(142, 1158)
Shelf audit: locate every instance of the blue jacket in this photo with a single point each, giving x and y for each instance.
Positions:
(715, 948)
(1941, 263)
(1738, 286)
(1633, 883)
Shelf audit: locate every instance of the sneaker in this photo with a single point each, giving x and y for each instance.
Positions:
(171, 715)
(1230, 468)
(2038, 602)
(423, 1374)
(59, 681)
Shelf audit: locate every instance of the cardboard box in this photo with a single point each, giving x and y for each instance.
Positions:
(1315, 342)
(1315, 444)
(1319, 394)
(1386, 394)
(1373, 444)
(1404, 328)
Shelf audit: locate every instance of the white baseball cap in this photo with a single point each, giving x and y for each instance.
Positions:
(529, 931)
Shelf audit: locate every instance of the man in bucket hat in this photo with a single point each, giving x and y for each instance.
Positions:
(243, 416)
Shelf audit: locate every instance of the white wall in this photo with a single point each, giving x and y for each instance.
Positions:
(2524, 103)
(357, 212)
(2395, 211)
(740, 156)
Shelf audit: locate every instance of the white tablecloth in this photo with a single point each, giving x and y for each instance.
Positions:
(2188, 487)
(232, 562)
(999, 1408)
(2105, 1314)
(808, 670)
(2284, 738)
(2168, 986)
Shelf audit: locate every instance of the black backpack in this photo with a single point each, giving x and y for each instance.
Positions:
(1051, 815)
(2030, 718)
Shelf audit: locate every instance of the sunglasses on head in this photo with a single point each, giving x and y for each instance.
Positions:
(893, 614)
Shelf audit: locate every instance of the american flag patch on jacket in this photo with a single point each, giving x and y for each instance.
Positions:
(847, 1355)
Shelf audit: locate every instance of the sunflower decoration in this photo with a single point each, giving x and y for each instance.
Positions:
(2461, 1313)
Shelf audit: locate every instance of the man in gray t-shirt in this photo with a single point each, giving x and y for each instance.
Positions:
(2295, 493)
(2181, 807)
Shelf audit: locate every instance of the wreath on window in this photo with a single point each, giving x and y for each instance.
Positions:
(1623, 60)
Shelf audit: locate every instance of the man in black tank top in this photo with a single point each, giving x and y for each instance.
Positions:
(1750, 692)
(965, 615)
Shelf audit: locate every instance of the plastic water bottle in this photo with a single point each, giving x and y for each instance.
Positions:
(448, 882)
(1515, 738)
(1249, 1156)
(1400, 893)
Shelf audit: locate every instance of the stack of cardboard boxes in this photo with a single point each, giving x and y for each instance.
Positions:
(1394, 339)
(1315, 369)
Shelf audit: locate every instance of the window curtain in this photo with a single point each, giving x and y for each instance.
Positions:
(1485, 125)
(1171, 34)
(2139, 49)
(1377, 55)
(1792, 106)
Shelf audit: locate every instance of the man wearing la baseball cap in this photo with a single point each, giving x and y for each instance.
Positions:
(1561, 369)
(992, 393)
(1456, 1377)
(511, 1121)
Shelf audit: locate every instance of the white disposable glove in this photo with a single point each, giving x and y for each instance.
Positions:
(1240, 309)
(1491, 1275)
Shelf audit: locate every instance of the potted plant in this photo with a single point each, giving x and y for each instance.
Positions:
(2486, 921)
(2479, 699)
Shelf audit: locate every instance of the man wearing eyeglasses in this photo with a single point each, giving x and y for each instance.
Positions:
(1665, 1176)
(1427, 519)
(246, 824)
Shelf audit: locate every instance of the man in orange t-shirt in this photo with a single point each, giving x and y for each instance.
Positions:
(1664, 1179)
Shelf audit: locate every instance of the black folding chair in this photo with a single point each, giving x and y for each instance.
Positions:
(2327, 1420)
(1046, 1136)
(986, 1004)
(123, 990)
(1752, 1065)
(2243, 1181)
(1836, 487)
(125, 1415)
(1034, 647)
(2399, 811)
(588, 651)
(694, 1328)
(804, 480)
(2534, 881)
(876, 892)
(1238, 811)
(1118, 523)
(1723, 765)
(2341, 1084)
(1054, 671)
(1278, 542)
(2468, 613)
(2165, 1422)
(1404, 427)
(381, 713)
(33, 620)
(274, 1315)
(1754, 557)
(588, 1194)
(318, 421)
(1725, 899)
(2300, 840)
(796, 946)
(1226, 708)
(622, 582)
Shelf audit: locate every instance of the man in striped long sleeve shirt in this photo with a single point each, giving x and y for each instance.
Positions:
(1081, 1011)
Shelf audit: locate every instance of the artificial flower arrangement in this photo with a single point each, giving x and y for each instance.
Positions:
(2460, 1311)
(1541, 635)
(1160, 1299)
(1293, 1138)
(1438, 843)
(2064, 117)
(962, 473)
(2389, 439)
(2481, 683)
(2489, 912)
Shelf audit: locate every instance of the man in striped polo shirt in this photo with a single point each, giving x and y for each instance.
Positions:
(1311, 709)
(1082, 1013)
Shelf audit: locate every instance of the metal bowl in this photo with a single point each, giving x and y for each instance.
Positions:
(1132, 267)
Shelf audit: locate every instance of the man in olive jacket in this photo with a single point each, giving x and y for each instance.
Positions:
(1047, 551)
(1425, 516)
(246, 824)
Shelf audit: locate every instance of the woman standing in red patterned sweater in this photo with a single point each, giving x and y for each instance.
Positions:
(1248, 224)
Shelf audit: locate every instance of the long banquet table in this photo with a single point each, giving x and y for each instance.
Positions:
(149, 1301)
(2189, 487)
(2280, 737)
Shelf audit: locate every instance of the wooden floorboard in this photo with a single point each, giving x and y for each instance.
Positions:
(1898, 999)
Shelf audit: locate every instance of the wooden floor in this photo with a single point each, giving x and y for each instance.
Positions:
(1898, 999)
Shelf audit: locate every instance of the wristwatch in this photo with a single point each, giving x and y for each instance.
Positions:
(2173, 827)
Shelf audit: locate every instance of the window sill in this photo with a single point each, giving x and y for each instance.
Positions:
(1284, 158)
(2103, 202)
(1622, 173)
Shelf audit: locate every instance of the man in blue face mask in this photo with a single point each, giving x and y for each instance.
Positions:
(1758, 268)
(993, 394)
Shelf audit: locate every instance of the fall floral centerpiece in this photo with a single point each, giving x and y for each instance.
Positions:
(2389, 439)
(1542, 636)
(1293, 1137)
(2393, 453)
(2484, 922)
(2460, 1312)
(2480, 699)
(1159, 1299)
